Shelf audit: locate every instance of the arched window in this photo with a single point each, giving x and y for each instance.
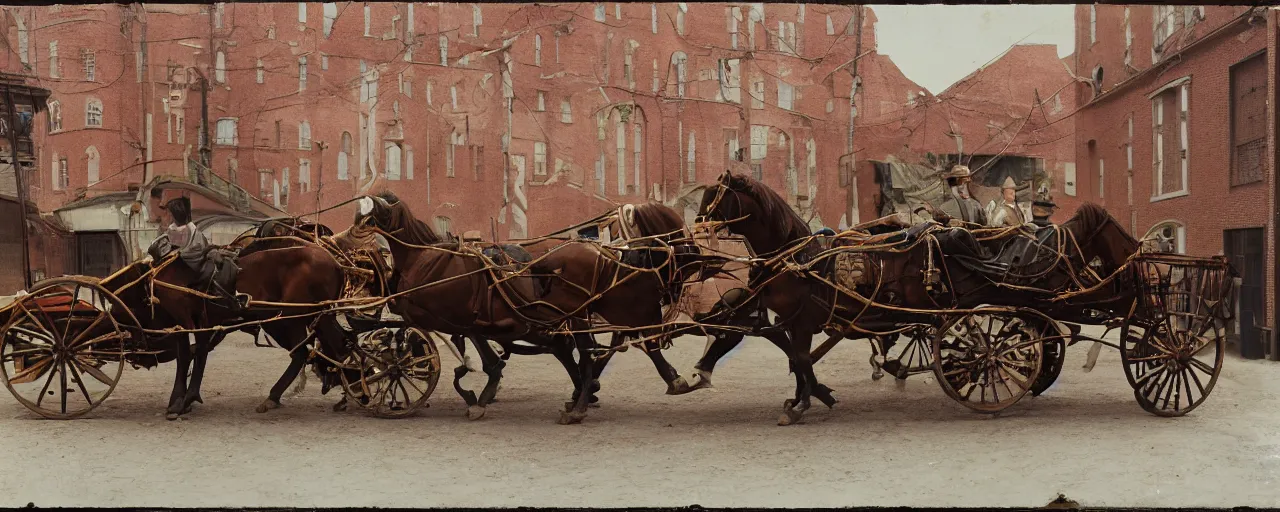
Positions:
(344, 156)
(1168, 236)
(93, 113)
(304, 135)
(443, 225)
(92, 164)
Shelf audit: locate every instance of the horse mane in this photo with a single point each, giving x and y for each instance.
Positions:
(1091, 215)
(411, 230)
(776, 213)
(657, 219)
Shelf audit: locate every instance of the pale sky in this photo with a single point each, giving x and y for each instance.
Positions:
(936, 45)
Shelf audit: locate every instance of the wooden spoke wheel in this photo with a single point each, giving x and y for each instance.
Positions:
(1172, 364)
(398, 371)
(914, 356)
(988, 359)
(1055, 357)
(62, 346)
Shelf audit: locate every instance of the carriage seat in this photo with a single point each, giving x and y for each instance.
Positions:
(999, 256)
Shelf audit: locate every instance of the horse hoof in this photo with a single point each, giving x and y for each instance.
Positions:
(171, 416)
(678, 386)
(699, 382)
(789, 417)
(339, 407)
(877, 375)
(267, 405)
(475, 412)
(571, 418)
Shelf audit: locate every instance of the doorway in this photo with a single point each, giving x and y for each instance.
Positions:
(99, 253)
(1244, 249)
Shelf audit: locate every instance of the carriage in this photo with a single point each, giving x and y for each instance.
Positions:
(990, 312)
(65, 343)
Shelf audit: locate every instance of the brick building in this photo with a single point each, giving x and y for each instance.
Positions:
(1009, 118)
(528, 115)
(1175, 135)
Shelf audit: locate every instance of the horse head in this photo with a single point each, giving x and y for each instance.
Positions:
(752, 209)
(1099, 236)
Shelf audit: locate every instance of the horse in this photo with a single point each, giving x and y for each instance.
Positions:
(453, 288)
(303, 274)
(903, 283)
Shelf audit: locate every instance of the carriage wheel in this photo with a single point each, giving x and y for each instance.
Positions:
(916, 355)
(1172, 370)
(62, 346)
(987, 360)
(399, 370)
(1055, 357)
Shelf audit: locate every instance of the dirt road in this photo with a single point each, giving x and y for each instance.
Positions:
(881, 445)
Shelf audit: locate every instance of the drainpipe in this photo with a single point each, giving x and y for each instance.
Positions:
(22, 188)
(1274, 88)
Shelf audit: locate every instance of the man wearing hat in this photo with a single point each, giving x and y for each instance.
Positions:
(1042, 208)
(958, 203)
(1008, 213)
(213, 265)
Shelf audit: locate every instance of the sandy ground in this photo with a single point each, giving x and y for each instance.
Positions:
(881, 445)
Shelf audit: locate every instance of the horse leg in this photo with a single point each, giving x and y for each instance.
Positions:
(468, 396)
(676, 385)
(802, 364)
(493, 365)
(721, 344)
(203, 343)
(297, 360)
(182, 364)
(817, 390)
(564, 353)
(578, 411)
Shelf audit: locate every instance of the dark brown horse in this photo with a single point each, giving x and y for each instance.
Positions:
(898, 281)
(453, 288)
(302, 274)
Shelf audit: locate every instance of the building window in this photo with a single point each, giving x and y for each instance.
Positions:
(1102, 178)
(93, 162)
(735, 16)
(392, 151)
(453, 96)
(304, 175)
(637, 146)
(541, 105)
(262, 73)
(455, 140)
(653, 18)
(1093, 24)
(344, 156)
(62, 176)
(786, 95)
(680, 61)
(227, 134)
(477, 18)
(1128, 38)
(302, 73)
(1169, 114)
(566, 111)
(219, 11)
(220, 67)
(444, 51)
(1055, 105)
(628, 67)
(24, 40)
(267, 185)
(730, 77)
(681, 10)
(537, 49)
(304, 135)
(93, 113)
(599, 12)
(690, 170)
(368, 20)
(181, 128)
(55, 70)
(1248, 121)
(285, 181)
(330, 16)
(55, 116)
(656, 82)
(539, 159)
(430, 87)
(89, 62)
(831, 26)
(1169, 237)
(621, 147)
(444, 225)
(1128, 144)
(759, 142)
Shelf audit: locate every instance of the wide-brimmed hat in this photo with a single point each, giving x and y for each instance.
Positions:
(959, 171)
(1008, 183)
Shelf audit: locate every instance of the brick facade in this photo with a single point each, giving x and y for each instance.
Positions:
(1192, 73)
